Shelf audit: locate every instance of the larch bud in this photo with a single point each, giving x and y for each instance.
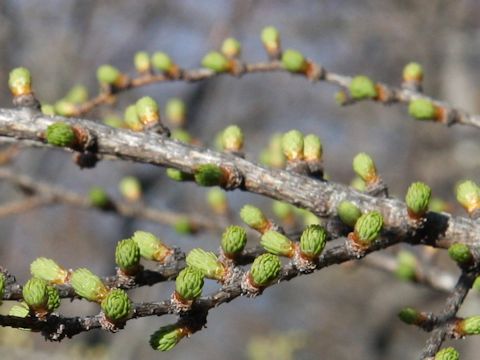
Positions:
(114, 122)
(410, 316)
(313, 241)
(348, 213)
(131, 118)
(130, 188)
(232, 138)
(292, 145)
(294, 61)
(53, 302)
(368, 227)
(3, 282)
(422, 109)
(234, 239)
(231, 48)
(361, 87)
(108, 75)
(364, 167)
(116, 305)
(271, 40)
(151, 248)
(413, 72)
(184, 226)
(88, 285)
(162, 61)
(460, 253)
(312, 148)
(127, 255)
(77, 94)
(178, 175)
(265, 269)
(64, 107)
(217, 200)
(468, 195)
(216, 61)
(60, 134)
(48, 270)
(208, 175)
(48, 109)
(98, 197)
(254, 217)
(418, 198)
(147, 110)
(207, 262)
(167, 337)
(141, 60)
(283, 210)
(20, 81)
(175, 111)
(181, 135)
(448, 353)
(277, 243)
(469, 326)
(189, 283)
(35, 293)
(406, 268)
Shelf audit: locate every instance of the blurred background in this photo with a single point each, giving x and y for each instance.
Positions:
(343, 312)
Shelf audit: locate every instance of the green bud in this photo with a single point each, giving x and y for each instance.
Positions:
(254, 217)
(77, 94)
(216, 61)
(48, 109)
(310, 218)
(460, 253)
(418, 198)
(208, 175)
(98, 197)
(341, 98)
(20, 310)
(234, 239)
(178, 175)
(292, 145)
(406, 266)
(147, 110)
(130, 188)
(189, 283)
(131, 118)
(3, 282)
(35, 293)
(265, 269)
(88, 285)
(476, 284)
(162, 62)
(175, 111)
(48, 270)
(468, 195)
(361, 87)
(313, 241)
(348, 212)
(282, 209)
(114, 121)
(167, 337)
(231, 48)
(141, 60)
(60, 134)
(364, 167)
(271, 39)
(368, 227)
(470, 326)
(293, 61)
(232, 138)
(127, 255)
(438, 205)
(64, 107)
(422, 109)
(151, 248)
(312, 148)
(116, 305)
(108, 75)
(53, 302)
(183, 226)
(20, 81)
(181, 135)
(277, 243)
(207, 262)
(217, 200)
(447, 354)
(358, 184)
(409, 316)
(413, 72)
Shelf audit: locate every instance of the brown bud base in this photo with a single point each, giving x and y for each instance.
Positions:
(125, 277)
(231, 178)
(236, 67)
(412, 85)
(355, 246)
(298, 167)
(384, 94)
(174, 72)
(26, 101)
(416, 220)
(85, 160)
(314, 72)
(315, 168)
(179, 304)
(376, 187)
(109, 325)
(274, 51)
(122, 82)
(158, 128)
(249, 288)
(302, 262)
